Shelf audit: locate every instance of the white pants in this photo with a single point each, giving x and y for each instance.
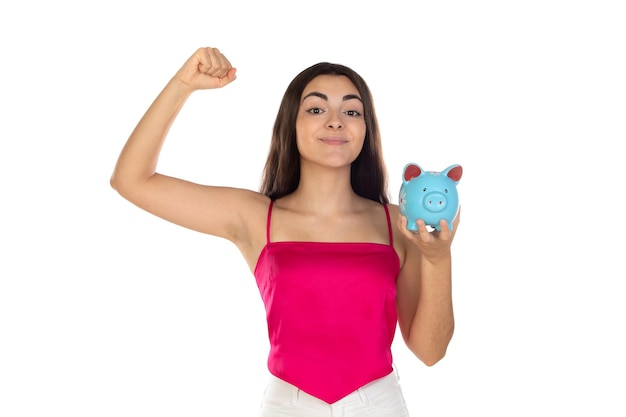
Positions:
(381, 398)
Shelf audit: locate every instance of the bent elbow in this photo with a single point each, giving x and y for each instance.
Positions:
(430, 349)
(429, 355)
(117, 184)
(113, 182)
(431, 360)
(122, 186)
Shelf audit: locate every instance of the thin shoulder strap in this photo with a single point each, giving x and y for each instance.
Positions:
(388, 225)
(269, 220)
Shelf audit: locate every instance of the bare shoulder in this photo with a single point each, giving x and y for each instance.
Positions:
(394, 214)
(394, 210)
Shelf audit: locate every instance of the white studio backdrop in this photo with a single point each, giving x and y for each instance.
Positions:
(106, 310)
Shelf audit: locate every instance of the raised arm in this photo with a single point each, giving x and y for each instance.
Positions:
(425, 312)
(208, 209)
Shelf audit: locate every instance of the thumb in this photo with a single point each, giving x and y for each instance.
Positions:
(230, 77)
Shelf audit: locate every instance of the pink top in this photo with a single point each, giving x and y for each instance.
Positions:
(331, 312)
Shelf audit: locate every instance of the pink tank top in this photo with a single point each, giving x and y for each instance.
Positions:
(331, 312)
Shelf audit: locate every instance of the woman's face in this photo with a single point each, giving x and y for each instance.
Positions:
(330, 126)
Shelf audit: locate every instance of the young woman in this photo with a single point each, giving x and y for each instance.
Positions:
(334, 262)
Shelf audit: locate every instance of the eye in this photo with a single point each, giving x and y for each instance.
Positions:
(353, 113)
(446, 191)
(315, 110)
(424, 190)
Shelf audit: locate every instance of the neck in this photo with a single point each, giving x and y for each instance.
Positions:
(325, 191)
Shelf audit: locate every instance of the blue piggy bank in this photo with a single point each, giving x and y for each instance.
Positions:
(429, 195)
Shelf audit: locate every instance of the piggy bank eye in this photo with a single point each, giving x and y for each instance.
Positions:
(424, 190)
(446, 191)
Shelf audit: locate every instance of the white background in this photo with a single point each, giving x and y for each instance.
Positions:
(108, 311)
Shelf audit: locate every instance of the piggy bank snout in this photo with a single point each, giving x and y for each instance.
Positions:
(435, 201)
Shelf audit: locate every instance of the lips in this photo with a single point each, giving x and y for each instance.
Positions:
(333, 140)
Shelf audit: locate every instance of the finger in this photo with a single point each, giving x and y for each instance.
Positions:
(422, 230)
(225, 61)
(403, 223)
(445, 233)
(219, 65)
(231, 76)
(204, 60)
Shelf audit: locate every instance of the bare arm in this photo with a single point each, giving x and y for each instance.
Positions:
(207, 209)
(425, 312)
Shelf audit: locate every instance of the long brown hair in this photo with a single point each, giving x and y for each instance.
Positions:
(281, 174)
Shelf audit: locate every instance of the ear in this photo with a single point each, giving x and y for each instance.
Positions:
(411, 171)
(454, 172)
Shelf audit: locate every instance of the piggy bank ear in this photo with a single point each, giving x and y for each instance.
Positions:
(454, 172)
(411, 171)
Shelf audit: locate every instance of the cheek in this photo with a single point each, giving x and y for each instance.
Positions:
(360, 134)
(299, 131)
(302, 126)
(360, 129)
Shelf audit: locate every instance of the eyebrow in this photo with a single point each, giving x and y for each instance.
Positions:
(325, 97)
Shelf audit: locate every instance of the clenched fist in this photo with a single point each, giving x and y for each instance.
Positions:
(206, 68)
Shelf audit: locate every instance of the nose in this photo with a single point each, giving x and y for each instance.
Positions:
(334, 120)
(435, 201)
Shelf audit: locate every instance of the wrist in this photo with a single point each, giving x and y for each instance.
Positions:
(180, 87)
(440, 259)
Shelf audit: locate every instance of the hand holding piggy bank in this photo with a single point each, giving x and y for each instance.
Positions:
(429, 195)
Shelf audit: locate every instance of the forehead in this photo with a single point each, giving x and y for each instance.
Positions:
(331, 84)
